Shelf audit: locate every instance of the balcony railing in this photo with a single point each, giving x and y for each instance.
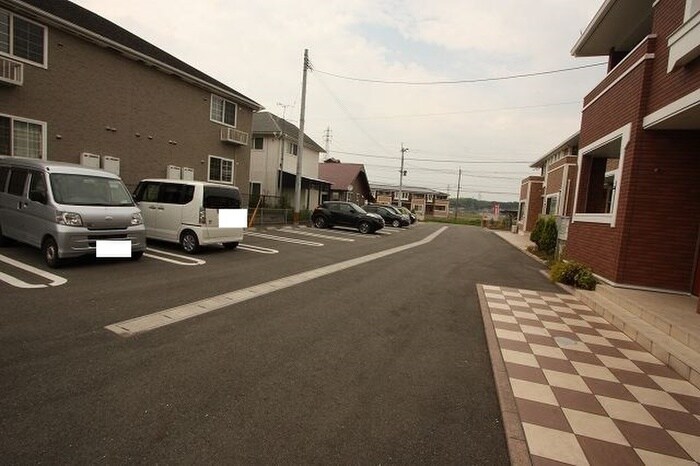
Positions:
(234, 136)
(11, 72)
(642, 52)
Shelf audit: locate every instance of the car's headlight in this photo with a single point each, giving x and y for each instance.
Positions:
(136, 219)
(71, 219)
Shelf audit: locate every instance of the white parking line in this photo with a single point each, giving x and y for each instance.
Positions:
(190, 260)
(340, 231)
(284, 239)
(54, 280)
(159, 319)
(315, 235)
(259, 249)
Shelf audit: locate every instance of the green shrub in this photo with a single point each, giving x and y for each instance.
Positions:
(573, 274)
(548, 237)
(536, 232)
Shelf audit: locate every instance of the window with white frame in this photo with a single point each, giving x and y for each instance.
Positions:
(599, 176)
(258, 143)
(429, 197)
(22, 39)
(223, 111)
(220, 169)
(551, 204)
(292, 148)
(22, 138)
(405, 195)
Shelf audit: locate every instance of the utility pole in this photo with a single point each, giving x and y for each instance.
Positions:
(279, 182)
(459, 185)
(328, 137)
(300, 147)
(403, 151)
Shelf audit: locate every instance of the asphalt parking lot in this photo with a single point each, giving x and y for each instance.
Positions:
(356, 348)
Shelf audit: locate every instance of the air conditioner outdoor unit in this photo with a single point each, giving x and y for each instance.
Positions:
(234, 136)
(111, 164)
(90, 160)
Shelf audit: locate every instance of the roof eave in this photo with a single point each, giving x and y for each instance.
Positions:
(568, 142)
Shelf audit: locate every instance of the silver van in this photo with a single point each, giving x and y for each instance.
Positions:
(64, 208)
(187, 212)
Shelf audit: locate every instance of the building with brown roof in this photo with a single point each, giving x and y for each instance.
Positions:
(348, 182)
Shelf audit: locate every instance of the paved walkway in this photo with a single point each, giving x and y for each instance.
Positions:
(576, 390)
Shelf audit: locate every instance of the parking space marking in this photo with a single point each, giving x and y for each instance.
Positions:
(258, 249)
(190, 260)
(340, 231)
(284, 239)
(54, 280)
(315, 235)
(166, 317)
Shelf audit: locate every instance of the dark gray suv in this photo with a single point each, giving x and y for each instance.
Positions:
(347, 214)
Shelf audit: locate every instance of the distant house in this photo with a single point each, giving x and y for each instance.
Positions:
(425, 202)
(75, 87)
(273, 164)
(636, 219)
(349, 182)
(552, 192)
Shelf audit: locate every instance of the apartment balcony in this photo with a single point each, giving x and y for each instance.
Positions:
(635, 59)
(11, 72)
(234, 136)
(684, 44)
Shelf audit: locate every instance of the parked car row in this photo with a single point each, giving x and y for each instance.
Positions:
(64, 209)
(367, 219)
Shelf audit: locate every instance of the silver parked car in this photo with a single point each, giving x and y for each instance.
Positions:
(64, 208)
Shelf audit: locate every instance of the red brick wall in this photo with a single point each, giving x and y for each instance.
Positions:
(534, 204)
(668, 87)
(664, 212)
(571, 192)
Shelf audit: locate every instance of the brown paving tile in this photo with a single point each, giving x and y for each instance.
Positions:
(691, 403)
(609, 389)
(605, 350)
(586, 330)
(579, 401)
(521, 346)
(606, 453)
(542, 414)
(625, 344)
(532, 374)
(556, 319)
(675, 420)
(580, 356)
(539, 461)
(651, 439)
(503, 312)
(586, 312)
(506, 326)
(658, 369)
(562, 334)
(634, 378)
(556, 364)
(603, 326)
(541, 340)
(533, 323)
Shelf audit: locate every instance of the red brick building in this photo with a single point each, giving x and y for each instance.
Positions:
(530, 202)
(637, 205)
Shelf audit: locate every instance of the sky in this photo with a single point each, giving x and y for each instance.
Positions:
(492, 130)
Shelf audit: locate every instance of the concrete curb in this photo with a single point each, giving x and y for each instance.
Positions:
(515, 436)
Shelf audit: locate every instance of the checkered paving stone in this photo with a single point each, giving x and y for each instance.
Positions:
(585, 392)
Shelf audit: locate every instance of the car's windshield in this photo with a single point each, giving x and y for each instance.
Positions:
(357, 208)
(89, 190)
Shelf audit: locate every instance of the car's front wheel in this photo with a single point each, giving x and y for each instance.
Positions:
(320, 222)
(395, 223)
(189, 242)
(49, 248)
(364, 228)
(136, 255)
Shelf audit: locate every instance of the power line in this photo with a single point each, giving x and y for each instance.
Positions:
(432, 160)
(459, 81)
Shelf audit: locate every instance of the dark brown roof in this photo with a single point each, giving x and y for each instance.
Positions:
(86, 19)
(341, 175)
